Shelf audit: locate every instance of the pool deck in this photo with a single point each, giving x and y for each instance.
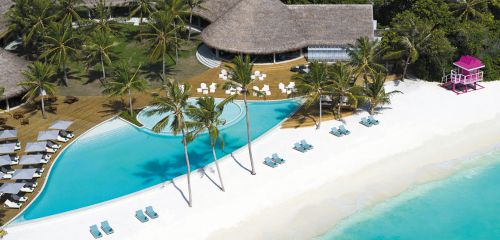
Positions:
(277, 203)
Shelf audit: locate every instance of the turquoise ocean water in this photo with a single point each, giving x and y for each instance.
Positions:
(465, 206)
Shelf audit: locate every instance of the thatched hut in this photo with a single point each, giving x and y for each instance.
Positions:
(271, 31)
(10, 75)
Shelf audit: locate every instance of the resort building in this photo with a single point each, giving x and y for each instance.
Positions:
(272, 32)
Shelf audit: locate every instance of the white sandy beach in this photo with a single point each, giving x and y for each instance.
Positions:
(423, 135)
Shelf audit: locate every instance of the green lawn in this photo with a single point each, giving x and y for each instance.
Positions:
(129, 48)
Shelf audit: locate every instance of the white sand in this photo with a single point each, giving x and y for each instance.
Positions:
(423, 135)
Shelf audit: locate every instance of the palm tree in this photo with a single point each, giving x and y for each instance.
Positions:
(240, 77)
(206, 116)
(68, 10)
(343, 87)
(143, 8)
(125, 80)
(30, 19)
(469, 9)
(192, 5)
(98, 47)
(313, 85)
(60, 46)
(179, 10)
(37, 81)
(375, 92)
(413, 38)
(174, 105)
(103, 21)
(363, 55)
(160, 33)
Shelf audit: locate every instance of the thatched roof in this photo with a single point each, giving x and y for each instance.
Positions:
(255, 26)
(10, 73)
(213, 9)
(269, 26)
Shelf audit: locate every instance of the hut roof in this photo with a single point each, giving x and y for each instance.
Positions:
(270, 26)
(334, 24)
(255, 26)
(10, 73)
(213, 9)
(469, 63)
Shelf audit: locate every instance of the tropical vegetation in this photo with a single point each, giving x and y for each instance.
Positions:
(38, 82)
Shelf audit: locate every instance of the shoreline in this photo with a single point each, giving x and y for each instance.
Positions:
(352, 195)
(295, 195)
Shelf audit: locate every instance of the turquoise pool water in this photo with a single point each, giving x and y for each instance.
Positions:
(116, 159)
(465, 206)
(233, 113)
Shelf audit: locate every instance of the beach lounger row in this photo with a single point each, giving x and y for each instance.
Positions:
(273, 161)
(105, 228)
(150, 212)
(370, 121)
(341, 131)
(302, 146)
(139, 214)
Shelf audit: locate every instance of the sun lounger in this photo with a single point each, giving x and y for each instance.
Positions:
(299, 147)
(365, 122)
(334, 131)
(95, 231)
(372, 120)
(27, 189)
(305, 144)
(11, 204)
(106, 228)
(343, 130)
(151, 212)
(269, 162)
(18, 198)
(140, 216)
(277, 159)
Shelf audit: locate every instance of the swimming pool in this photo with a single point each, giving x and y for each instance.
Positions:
(116, 159)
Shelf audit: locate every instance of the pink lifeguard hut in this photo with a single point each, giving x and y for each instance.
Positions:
(466, 76)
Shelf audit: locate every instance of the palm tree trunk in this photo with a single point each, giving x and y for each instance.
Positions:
(130, 103)
(190, 23)
(176, 51)
(248, 133)
(188, 165)
(163, 65)
(407, 62)
(140, 28)
(217, 164)
(320, 112)
(103, 71)
(339, 107)
(43, 103)
(65, 74)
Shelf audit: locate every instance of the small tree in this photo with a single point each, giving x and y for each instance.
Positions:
(314, 85)
(160, 34)
(125, 79)
(37, 81)
(98, 48)
(364, 55)
(413, 36)
(375, 92)
(60, 46)
(343, 87)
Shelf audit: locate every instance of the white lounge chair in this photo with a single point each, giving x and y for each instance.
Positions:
(263, 75)
(50, 150)
(205, 91)
(261, 78)
(7, 176)
(62, 139)
(17, 198)
(27, 189)
(10, 204)
(257, 73)
(252, 77)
